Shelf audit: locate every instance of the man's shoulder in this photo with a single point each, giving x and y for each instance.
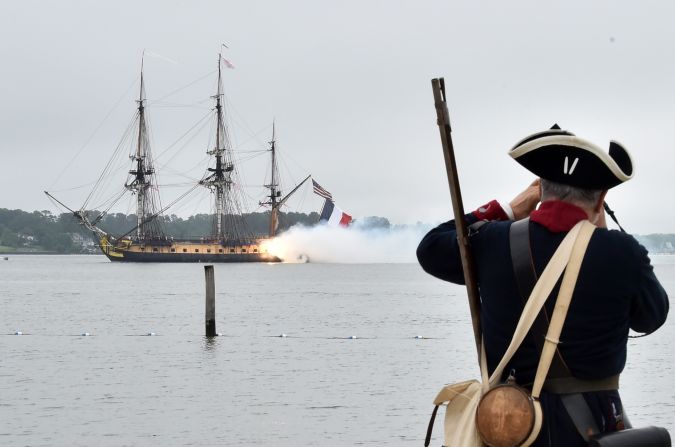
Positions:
(618, 247)
(490, 236)
(616, 238)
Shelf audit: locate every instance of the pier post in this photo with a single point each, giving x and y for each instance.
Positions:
(210, 315)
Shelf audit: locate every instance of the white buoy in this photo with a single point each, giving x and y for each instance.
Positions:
(18, 333)
(151, 334)
(419, 337)
(283, 335)
(353, 337)
(86, 334)
(218, 334)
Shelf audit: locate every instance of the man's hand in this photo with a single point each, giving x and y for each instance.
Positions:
(526, 201)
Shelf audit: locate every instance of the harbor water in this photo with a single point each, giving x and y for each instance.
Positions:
(309, 354)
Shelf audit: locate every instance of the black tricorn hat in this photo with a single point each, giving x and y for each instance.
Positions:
(562, 157)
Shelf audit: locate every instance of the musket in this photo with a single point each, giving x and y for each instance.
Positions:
(468, 268)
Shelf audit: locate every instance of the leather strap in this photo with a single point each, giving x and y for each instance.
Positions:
(526, 277)
(560, 380)
(430, 428)
(521, 257)
(566, 385)
(540, 293)
(578, 410)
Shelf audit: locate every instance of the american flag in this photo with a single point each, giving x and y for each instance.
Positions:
(318, 189)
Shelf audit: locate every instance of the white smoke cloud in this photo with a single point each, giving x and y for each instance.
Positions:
(361, 243)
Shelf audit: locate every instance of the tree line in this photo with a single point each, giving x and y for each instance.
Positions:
(42, 231)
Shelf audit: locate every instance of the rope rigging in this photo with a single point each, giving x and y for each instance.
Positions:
(88, 140)
(153, 216)
(220, 169)
(108, 165)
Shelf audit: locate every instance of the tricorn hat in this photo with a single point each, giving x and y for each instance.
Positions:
(562, 157)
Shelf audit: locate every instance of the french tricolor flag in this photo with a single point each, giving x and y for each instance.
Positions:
(333, 215)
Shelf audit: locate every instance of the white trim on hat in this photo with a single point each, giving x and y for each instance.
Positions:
(568, 140)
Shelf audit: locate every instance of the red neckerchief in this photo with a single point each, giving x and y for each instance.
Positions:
(558, 216)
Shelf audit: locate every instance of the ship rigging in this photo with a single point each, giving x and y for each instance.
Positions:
(230, 239)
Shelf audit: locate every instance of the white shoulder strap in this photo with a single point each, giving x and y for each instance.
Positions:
(537, 298)
(562, 305)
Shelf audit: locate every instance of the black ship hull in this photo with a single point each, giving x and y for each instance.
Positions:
(185, 251)
(193, 257)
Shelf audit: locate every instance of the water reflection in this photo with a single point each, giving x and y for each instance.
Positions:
(210, 344)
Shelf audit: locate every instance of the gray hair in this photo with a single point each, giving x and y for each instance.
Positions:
(557, 191)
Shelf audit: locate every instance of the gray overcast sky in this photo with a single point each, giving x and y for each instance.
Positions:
(349, 85)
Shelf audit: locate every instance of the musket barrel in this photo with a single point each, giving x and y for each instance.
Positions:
(443, 120)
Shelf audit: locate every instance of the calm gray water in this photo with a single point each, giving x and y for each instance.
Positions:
(316, 386)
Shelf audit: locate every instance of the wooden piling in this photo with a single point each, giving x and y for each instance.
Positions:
(210, 315)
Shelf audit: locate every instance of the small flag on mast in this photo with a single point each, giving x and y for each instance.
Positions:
(227, 63)
(319, 190)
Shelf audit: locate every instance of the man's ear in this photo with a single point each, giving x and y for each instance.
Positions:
(601, 201)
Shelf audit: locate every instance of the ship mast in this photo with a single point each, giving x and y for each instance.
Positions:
(143, 171)
(220, 180)
(273, 186)
(275, 201)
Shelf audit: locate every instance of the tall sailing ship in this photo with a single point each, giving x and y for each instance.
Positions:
(230, 240)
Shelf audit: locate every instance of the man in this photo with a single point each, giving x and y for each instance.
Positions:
(616, 289)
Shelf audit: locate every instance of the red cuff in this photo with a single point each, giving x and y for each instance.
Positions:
(491, 211)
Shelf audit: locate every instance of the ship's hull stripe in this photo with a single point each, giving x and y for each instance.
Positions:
(193, 257)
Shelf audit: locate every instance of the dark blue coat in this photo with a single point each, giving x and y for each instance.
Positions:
(616, 290)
